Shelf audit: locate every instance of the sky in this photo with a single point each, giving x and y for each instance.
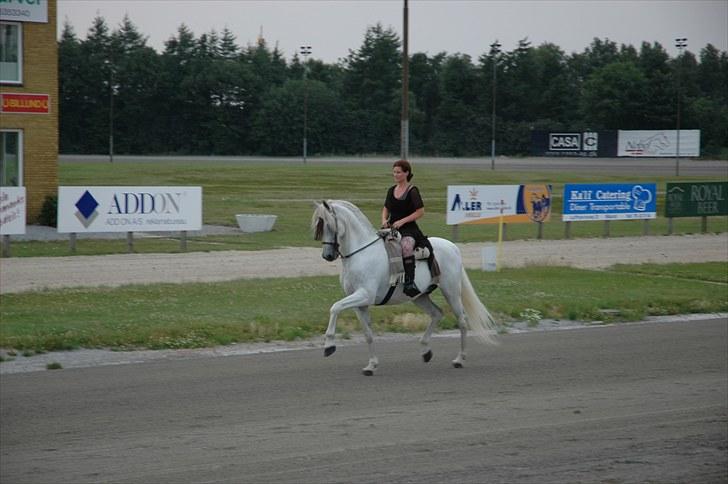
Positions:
(333, 28)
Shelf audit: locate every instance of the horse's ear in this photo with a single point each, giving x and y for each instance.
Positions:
(326, 205)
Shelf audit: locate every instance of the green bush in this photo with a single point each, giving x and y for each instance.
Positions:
(49, 212)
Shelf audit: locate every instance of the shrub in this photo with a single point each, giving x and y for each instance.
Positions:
(49, 212)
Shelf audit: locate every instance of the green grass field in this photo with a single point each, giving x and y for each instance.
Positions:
(199, 315)
(288, 190)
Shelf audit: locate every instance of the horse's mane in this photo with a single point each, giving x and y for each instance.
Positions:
(322, 213)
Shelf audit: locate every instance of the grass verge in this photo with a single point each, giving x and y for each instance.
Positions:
(287, 190)
(163, 316)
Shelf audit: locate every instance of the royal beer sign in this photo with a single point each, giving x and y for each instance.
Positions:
(11, 102)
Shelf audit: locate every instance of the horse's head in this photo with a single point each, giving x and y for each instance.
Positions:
(327, 229)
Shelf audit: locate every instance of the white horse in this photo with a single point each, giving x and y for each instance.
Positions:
(344, 231)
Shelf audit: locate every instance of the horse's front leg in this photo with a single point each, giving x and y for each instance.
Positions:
(366, 322)
(357, 299)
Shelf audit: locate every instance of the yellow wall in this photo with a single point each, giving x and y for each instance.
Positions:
(40, 131)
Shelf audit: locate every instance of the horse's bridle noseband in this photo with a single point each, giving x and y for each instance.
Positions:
(335, 243)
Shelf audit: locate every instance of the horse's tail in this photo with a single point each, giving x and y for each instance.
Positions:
(480, 320)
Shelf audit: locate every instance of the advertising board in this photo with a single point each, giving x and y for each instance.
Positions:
(24, 11)
(11, 102)
(696, 199)
(612, 201)
(580, 144)
(484, 204)
(12, 210)
(129, 209)
(658, 143)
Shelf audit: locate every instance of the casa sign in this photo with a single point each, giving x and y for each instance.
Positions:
(24, 11)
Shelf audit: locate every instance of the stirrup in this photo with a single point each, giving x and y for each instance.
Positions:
(411, 289)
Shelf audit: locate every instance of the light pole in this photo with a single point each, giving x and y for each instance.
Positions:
(110, 65)
(681, 43)
(494, 51)
(305, 52)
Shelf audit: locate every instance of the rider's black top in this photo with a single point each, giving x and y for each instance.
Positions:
(400, 208)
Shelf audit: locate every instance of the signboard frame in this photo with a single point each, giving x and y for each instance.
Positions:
(129, 209)
(13, 206)
(696, 199)
(488, 204)
(609, 201)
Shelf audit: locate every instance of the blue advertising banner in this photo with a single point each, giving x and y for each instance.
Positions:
(611, 201)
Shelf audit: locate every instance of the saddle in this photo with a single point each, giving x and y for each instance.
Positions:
(394, 254)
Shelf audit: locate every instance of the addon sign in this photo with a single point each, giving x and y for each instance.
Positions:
(129, 209)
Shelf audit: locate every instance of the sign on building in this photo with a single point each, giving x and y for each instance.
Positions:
(24, 11)
(129, 209)
(484, 204)
(580, 144)
(613, 201)
(12, 210)
(11, 102)
(696, 199)
(658, 143)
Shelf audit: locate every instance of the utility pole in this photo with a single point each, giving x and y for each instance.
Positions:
(404, 134)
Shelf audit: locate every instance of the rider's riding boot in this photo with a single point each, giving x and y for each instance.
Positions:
(410, 288)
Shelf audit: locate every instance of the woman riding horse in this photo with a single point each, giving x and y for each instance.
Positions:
(402, 208)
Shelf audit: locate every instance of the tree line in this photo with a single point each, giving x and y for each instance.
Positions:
(207, 95)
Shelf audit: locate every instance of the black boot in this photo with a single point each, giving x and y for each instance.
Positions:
(410, 288)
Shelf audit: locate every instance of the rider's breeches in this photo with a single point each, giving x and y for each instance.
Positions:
(408, 246)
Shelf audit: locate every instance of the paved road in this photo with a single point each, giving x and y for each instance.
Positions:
(632, 166)
(627, 403)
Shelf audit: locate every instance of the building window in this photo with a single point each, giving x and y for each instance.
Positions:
(11, 53)
(11, 158)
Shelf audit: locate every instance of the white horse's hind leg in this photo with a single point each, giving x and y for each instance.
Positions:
(425, 303)
(366, 321)
(457, 307)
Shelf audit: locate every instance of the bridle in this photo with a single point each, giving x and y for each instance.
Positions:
(335, 242)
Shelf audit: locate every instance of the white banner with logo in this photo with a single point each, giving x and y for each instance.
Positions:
(12, 210)
(129, 209)
(485, 204)
(24, 11)
(658, 143)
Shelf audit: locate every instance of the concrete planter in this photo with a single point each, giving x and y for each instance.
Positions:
(249, 222)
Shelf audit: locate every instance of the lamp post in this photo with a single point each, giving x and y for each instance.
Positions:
(305, 52)
(681, 43)
(494, 51)
(110, 65)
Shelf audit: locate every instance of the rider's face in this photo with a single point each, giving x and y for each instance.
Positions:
(399, 175)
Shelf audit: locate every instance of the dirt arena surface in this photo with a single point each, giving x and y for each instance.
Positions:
(37, 273)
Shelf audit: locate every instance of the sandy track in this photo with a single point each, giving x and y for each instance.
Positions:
(36, 273)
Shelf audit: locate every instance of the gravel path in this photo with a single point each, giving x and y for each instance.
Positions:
(37, 273)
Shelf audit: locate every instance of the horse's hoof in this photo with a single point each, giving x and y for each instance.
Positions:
(457, 364)
(329, 351)
(368, 372)
(427, 356)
